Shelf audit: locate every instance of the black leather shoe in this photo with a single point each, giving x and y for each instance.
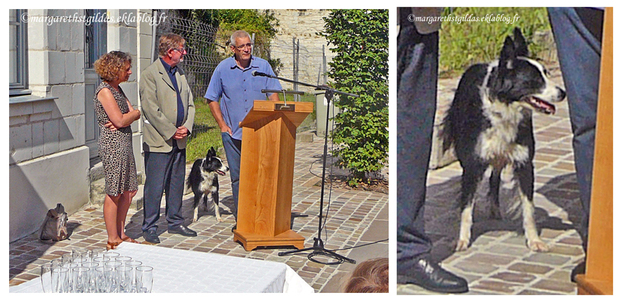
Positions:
(430, 276)
(151, 236)
(182, 230)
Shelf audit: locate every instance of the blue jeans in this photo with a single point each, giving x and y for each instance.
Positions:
(416, 103)
(579, 53)
(232, 147)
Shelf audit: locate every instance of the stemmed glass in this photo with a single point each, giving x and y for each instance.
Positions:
(91, 270)
(60, 280)
(124, 274)
(91, 275)
(81, 279)
(46, 277)
(144, 279)
(79, 254)
(103, 279)
(114, 274)
(134, 264)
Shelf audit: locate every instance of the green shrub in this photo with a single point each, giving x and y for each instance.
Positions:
(463, 44)
(360, 39)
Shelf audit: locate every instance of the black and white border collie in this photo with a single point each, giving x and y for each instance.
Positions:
(490, 125)
(204, 183)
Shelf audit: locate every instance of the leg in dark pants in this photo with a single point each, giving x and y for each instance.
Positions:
(165, 172)
(577, 33)
(416, 103)
(232, 147)
(579, 52)
(417, 95)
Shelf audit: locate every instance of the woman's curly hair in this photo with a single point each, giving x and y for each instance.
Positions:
(109, 65)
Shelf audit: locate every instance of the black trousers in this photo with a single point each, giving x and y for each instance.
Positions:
(416, 103)
(165, 173)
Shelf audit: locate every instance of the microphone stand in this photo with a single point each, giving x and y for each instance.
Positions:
(318, 248)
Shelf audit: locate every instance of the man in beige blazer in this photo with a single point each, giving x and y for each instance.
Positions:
(168, 112)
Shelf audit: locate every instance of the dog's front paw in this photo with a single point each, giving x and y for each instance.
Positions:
(538, 246)
(462, 245)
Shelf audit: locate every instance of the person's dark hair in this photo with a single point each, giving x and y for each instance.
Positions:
(370, 276)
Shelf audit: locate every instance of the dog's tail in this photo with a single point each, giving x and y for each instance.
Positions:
(446, 134)
(188, 182)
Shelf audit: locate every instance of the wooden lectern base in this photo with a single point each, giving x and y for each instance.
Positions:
(593, 287)
(252, 241)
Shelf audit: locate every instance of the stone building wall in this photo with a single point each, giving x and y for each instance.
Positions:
(302, 24)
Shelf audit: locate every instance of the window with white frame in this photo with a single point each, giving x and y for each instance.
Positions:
(18, 63)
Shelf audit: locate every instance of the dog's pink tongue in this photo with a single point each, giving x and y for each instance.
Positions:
(543, 106)
(549, 108)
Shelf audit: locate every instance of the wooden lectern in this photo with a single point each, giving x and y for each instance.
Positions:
(266, 175)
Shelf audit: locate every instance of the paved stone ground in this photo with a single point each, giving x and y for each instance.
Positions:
(354, 218)
(498, 262)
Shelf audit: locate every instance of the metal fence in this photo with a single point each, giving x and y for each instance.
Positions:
(203, 51)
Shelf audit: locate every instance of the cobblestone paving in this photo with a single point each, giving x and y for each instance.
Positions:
(352, 220)
(498, 262)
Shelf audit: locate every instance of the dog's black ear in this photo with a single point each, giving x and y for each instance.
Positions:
(520, 44)
(211, 152)
(508, 54)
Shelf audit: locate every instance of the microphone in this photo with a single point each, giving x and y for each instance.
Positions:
(261, 74)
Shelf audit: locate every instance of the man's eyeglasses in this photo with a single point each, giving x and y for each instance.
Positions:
(249, 45)
(181, 50)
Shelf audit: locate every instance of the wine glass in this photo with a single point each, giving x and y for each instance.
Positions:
(81, 279)
(114, 274)
(103, 276)
(144, 279)
(60, 280)
(67, 260)
(123, 260)
(124, 274)
(134, 264)
(92, 287)
(111, 254)
(46, 277)
(95, 252)
(79, 254)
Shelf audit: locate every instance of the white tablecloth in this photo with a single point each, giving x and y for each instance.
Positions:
(180, 271)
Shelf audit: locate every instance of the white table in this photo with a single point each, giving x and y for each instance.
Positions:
(181, 271)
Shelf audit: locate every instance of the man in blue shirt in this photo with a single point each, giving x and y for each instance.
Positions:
(233, 82)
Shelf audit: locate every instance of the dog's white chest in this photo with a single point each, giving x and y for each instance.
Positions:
(207, 184)
(497, 143)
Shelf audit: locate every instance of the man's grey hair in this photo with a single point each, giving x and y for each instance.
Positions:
(238, 34)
